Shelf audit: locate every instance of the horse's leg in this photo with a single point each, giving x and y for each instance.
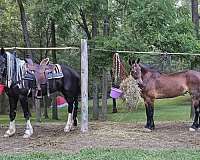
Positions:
(152, 114)
(195, 125)
(149, 104)
(75, 119)
(69, 124)
(29, 129)
(147, 115)
(13, 106)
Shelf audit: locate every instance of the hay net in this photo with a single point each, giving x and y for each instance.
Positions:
(131, 92)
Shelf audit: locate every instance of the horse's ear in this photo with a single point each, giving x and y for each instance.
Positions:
(131, 62)
(2, 52)
(138, 60)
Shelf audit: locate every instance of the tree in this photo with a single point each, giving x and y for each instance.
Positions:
(195, 16)
(25, 29)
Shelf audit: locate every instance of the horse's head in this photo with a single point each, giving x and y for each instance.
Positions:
(2, 62)
(136, 70)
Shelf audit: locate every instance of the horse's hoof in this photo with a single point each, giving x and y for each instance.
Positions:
(192, 129)
(28, 134)
(67, 129)
(9, 133)
(74, 128)
(147, 130)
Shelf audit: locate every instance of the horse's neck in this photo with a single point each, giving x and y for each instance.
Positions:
(148, 73)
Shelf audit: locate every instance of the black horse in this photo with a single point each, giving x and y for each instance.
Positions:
(19, 88)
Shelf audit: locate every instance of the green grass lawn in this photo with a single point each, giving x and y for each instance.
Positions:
(174, 109)
(111, 154)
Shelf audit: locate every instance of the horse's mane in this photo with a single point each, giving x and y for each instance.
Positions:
(152, 69)
(15, 68)
(149, 68)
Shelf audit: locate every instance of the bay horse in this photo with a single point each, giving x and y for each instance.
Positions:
(156, 85)
(68, 85)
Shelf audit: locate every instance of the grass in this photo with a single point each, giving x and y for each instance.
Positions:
(111, 154)
(174, 109)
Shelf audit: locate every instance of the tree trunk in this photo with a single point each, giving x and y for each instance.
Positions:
(195, 16)
(95, 101)
(54, 107)
(106, 27)
(94, 21)
(84, 24)
(37, 110)
(48, 38)
(104, 95)
(53, 40)
(46, 104)
(27, 42)
(94, 26)
(53, 44)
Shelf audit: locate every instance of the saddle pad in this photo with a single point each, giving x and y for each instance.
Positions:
(57, 73)
(29, 76)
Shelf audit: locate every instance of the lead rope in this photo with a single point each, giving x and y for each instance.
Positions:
(118, 70)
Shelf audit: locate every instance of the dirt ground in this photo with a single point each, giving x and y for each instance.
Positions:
(50, 137)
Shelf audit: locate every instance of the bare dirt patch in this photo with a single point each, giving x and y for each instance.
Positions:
(51, 137)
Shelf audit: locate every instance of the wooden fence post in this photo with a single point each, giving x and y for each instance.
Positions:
(54, 107)
(84, 86)
(37, 110)
(46, 103)
(104, 95)
(95, 101)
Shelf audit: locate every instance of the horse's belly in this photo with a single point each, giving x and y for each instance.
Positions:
(171, 91)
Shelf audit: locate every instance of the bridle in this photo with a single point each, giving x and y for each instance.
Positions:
(138, 79)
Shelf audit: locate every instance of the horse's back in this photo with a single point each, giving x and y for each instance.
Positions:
(71, 80)
(193, 73)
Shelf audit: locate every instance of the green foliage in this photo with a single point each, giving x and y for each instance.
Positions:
(156, 25)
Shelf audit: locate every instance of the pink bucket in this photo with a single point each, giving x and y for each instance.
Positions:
(115, 93)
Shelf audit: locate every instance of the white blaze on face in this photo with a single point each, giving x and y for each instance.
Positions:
(68, 126)
(139, 81)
